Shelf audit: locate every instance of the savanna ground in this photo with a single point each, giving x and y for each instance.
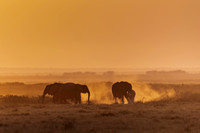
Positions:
(159, 108)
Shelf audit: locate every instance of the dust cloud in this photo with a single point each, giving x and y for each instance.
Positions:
(101, 93)
(147, 94)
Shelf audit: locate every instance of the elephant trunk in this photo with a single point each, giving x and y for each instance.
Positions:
(131, 96)
(88, 97)
(43, 97)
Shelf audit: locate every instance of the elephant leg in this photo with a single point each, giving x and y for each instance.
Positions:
(79, 98)
(53, 99)
(127, 98)
(63, 101)
(122, 100)
(76, 100)
(59, 100)
(115, 100)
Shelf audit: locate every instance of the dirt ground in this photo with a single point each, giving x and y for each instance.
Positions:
(158, 108)
(152, 117)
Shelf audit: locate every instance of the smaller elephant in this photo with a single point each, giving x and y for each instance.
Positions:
(123, 89)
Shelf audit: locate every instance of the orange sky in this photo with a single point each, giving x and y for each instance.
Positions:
(100, 33)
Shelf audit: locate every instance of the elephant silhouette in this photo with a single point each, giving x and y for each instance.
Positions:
(123, 89)
(61, 92)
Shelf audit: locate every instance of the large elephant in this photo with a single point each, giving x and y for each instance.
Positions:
(123, 89)
(72, 91)
(61, 92)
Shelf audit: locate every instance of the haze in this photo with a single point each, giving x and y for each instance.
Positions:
(99, 33)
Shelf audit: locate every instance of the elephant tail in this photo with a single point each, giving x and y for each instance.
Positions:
(88, 97)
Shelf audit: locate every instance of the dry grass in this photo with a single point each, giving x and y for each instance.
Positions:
(15, 99)
(163, 113)
(140, 117)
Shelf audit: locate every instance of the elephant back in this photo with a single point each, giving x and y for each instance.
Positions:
(68, 90)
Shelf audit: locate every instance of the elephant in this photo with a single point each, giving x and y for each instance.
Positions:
(61, 92)
(123, 89)
(72, 91)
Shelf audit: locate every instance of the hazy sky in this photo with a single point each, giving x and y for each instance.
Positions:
(100, 33)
